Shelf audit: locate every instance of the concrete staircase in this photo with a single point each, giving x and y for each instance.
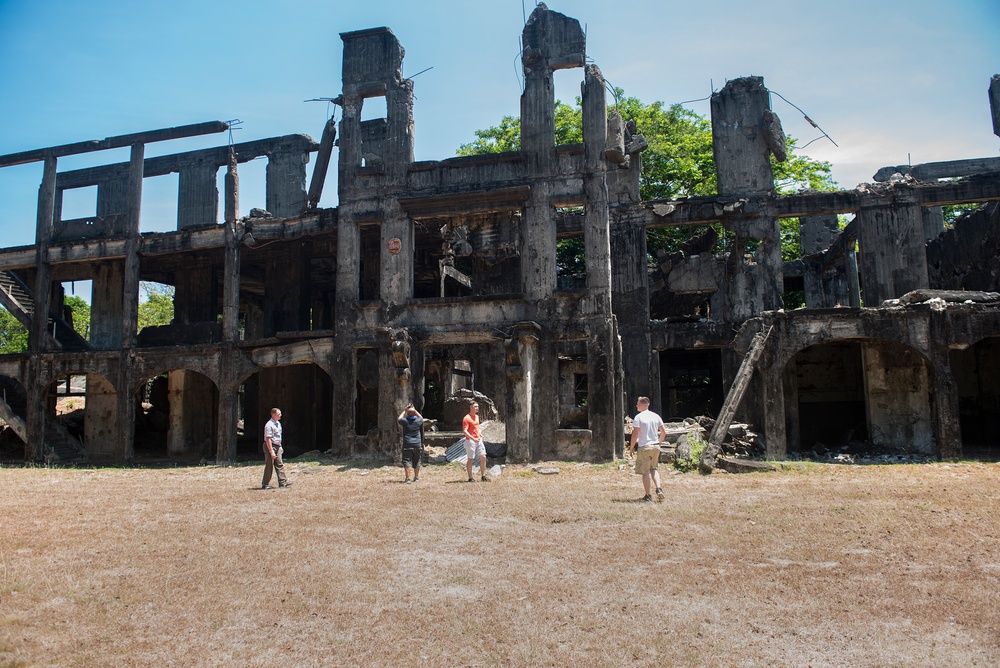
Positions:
(17, 298)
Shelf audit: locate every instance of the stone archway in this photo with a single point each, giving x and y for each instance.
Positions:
(872, 390)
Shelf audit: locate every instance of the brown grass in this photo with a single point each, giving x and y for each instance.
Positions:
(819, 565)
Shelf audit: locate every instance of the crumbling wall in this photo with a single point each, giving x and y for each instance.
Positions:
(965, 256)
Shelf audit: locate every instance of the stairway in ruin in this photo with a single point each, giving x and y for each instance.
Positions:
(17, 298)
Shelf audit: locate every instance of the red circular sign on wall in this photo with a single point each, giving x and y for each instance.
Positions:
(395, 245)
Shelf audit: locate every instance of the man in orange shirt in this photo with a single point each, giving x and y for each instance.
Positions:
(474, 442)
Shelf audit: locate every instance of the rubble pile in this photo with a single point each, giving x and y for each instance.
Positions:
(859, 452)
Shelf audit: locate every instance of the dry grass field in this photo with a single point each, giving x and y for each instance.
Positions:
(816, 565)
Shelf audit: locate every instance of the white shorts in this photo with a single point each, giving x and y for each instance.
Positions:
(474, 449)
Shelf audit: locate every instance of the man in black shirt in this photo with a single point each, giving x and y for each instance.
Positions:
(413, 441)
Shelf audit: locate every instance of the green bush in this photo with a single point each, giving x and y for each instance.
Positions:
(685, 464)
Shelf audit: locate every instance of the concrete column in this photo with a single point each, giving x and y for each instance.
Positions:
(99, 426)
(348, 262)
(228, 411)
(286, 182)
(771, 392)
(994, 94)
(399, 140)
(597, 242)
(231, 279)
(197, 195)
(743, 137)
(396, 251)
(107, 287)
(522, 351)
(345, 392)
(130, 308)
(630, 301)
(605, 422)
(893, 250)
(191, 427)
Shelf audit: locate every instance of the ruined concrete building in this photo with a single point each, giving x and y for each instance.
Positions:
(432, 277)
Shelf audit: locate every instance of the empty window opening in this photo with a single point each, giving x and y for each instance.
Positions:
(569, 119)
(453, 375)
(374, 108)
(79, 203)
(369, 281)
(470, 255)
(825, 397)
(72, 327)
(691, 383)
(977, 373)
(159, 203)
(573, 386)
(684, 266)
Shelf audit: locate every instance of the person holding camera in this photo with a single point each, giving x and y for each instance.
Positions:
(412, 424)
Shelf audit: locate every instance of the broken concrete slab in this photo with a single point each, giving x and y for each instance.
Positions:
(743, 465)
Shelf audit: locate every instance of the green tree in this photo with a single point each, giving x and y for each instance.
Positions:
(157, 305)
(678, 163)
(81, 315)
(13, 335)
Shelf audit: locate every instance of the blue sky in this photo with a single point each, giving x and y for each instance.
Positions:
(885, 80)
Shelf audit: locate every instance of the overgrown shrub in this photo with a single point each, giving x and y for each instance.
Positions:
(690, 463)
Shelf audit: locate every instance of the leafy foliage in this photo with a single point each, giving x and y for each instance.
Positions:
(678, 163)
(81, 315)
(686, 464)
(13, 335)
(157, 307)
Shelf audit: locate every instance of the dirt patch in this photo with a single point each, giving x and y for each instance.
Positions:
(817, 565)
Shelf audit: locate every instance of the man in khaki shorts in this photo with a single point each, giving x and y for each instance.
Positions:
(648, 432)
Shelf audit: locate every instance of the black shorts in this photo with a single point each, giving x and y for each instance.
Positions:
(411, 458)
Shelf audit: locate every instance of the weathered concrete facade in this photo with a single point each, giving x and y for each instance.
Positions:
(430, 277)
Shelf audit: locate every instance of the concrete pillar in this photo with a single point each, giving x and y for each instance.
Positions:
(191, 427)
(396, 253)
(597, 242)
(994, 94)
(893, 250)
(630, 301)
(605, 422)
(743, 137)
(107, 287)
(130, 308)
(197, 195)
(522, 351)
(229, 415)
(231, 278)
(286, 182)
(99, 425)
(345, 393)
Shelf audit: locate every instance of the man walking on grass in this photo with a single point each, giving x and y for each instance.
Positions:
(474, 446)
(648, 432)
(272, 451)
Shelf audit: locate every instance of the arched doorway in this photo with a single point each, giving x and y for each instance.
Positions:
(176, 417)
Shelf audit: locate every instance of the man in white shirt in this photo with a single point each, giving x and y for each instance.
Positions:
(648, 433)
